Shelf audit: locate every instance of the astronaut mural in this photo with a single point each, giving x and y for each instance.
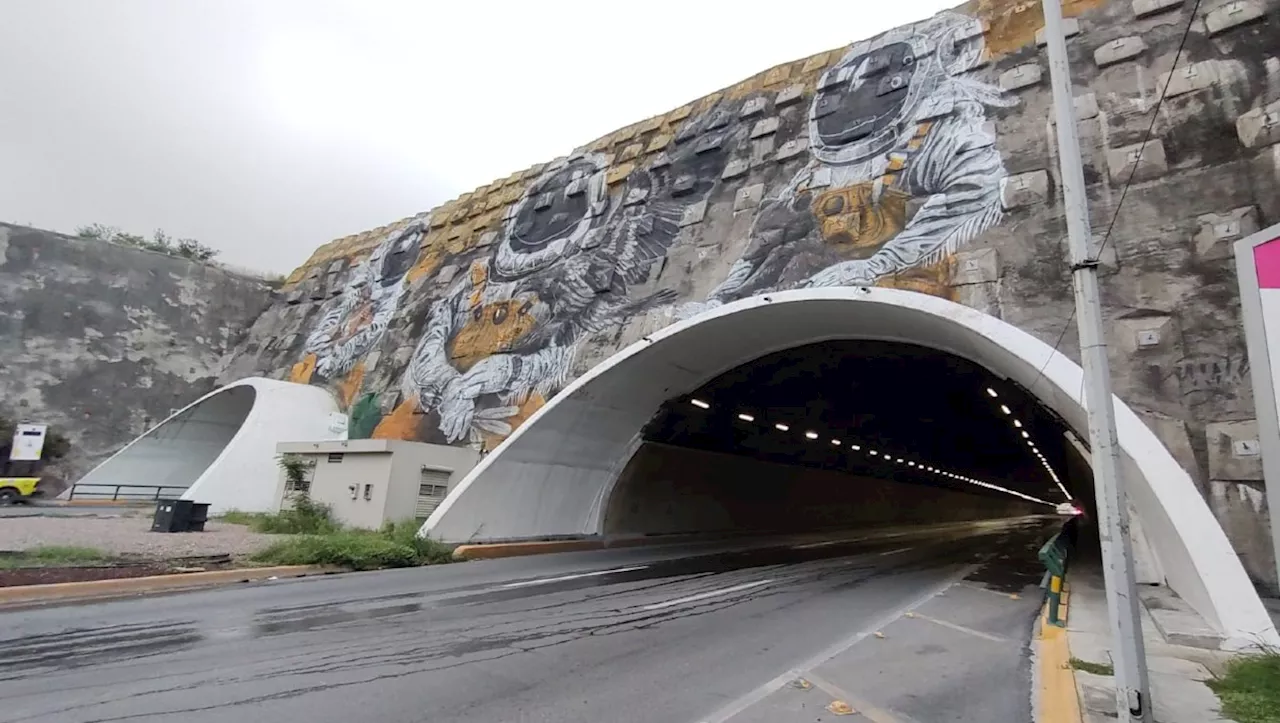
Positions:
(897, 169)
(903, 170)
(355, 321)
(503, 337)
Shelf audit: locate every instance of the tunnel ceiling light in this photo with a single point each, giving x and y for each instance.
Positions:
(836, 442)
(1016, 423)
(699, 404)
(873, 453)
(781, 427)
(992, 392)
(746, 417)
(856, 448)
(811, 434)
(1025, 435)
(1005, 408)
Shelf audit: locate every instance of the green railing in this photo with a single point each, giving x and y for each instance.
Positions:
(1055, 555)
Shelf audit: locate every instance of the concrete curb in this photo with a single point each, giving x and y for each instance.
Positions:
(520, 549)
(68, 591)
(496, 550)
(1057, 700)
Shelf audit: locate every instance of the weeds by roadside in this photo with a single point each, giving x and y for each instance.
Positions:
(1250, 689)
(53, 556)
(1094, 668)
(395, 545)
(306, 517)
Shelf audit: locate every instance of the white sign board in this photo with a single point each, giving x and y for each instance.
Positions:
(1258, 270)
(28, 442)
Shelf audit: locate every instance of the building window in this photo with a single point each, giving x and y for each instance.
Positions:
(335, 458)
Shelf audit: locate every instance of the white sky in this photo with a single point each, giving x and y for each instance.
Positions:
(265, 128)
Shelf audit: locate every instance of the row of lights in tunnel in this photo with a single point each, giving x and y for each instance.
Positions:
(888, 457)
(1026, 437)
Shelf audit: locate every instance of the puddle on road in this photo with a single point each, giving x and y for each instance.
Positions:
(93, 646)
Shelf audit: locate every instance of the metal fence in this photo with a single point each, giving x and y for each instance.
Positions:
(124, 493)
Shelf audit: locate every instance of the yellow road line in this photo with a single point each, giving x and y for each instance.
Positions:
(1057, 701)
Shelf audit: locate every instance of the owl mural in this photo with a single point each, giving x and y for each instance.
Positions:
(903, 170)
(503, 337)
(355, 321)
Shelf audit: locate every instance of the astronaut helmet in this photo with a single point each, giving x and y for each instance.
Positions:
(397, 253)
(554, 217)
(868, 102)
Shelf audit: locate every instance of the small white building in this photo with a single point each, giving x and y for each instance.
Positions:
(367, 482)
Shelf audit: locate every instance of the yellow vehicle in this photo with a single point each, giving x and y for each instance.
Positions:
(18, 489)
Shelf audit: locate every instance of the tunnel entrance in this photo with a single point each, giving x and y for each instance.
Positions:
(168, 458)
(843, 433)
(557, 474)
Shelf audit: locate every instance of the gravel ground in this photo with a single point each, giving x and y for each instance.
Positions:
(129, 535)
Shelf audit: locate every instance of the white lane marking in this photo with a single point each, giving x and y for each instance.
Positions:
(981, 588)
(740, 704)
(894, 552)
(963, 629)
(828, 543)
(705, 595)
(864, 708)
(578, 576)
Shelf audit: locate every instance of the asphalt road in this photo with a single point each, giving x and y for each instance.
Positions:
(904, 630)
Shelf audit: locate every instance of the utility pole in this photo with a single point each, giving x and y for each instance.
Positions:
(1133, 698)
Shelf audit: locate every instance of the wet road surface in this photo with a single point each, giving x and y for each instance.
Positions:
(675, 634)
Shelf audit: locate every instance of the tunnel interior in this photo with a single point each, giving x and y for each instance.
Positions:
(846, 434)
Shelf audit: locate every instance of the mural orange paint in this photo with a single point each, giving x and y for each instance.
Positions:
(402, 423)
(1013, 24)
(350, 386)
(302, 371)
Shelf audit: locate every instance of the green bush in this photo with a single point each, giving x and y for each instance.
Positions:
(430, 552)
(354, 550)
(306, 517)
(1250, 689)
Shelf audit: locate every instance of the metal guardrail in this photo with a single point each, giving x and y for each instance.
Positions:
(1055, 555)
(115, 495)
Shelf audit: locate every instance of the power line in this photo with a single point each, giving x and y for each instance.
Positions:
(1124, 191)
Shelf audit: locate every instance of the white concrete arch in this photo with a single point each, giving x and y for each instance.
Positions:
(553, 475)
(221, 448)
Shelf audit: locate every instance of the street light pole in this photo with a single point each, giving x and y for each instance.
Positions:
(1133, 700)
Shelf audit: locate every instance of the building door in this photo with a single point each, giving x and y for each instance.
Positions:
(433, 485)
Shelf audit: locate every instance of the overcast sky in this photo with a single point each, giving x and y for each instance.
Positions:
(265, 128)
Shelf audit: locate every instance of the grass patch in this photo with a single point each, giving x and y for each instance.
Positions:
(1094, 668)
(54, 556)
(395, 545)
(236, 517)
(1250, 689)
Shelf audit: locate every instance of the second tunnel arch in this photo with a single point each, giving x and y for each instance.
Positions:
(554, 475)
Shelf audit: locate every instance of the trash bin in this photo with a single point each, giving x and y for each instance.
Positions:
(199, 515)
(180, 516)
